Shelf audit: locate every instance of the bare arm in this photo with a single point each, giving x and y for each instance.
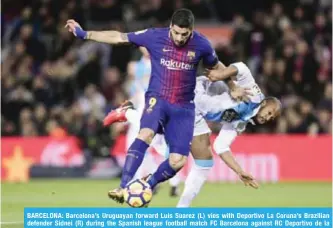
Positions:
(231, 162)
(227, 74)
(110, 37)
(219, 66)
(222, 73)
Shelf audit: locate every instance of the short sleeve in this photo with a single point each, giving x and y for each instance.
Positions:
(209, 57)
(141, 38)
(225, 138)
(244, 73)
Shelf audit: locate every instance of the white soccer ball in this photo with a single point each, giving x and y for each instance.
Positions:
(138, 193)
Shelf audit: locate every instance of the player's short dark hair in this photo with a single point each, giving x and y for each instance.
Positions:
(183, 18)
(273, 100)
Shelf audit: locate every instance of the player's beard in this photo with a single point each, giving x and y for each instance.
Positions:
(257, 120)
(182, 43)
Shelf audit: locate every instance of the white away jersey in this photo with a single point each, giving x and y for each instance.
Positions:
(214, 103)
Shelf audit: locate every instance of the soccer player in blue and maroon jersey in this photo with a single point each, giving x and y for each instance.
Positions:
(175, 54)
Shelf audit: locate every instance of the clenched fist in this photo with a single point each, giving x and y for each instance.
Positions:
(76, 29)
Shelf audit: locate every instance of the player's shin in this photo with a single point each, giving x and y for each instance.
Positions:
(133, 160)
(194, 181)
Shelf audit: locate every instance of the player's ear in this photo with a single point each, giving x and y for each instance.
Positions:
(278, 112)
(263, 103)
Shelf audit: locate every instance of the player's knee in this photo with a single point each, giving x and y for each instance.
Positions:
(177, 161)
(146, 135)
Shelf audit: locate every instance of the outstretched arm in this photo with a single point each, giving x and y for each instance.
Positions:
(110, 37)
(227, 74)
(222, 143)
(220, 73)
(231, 162)
(141, 38)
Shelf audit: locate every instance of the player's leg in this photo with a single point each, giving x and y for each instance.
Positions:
(174, 184)
(133, 129)
(203, 162)
(132, 116)
(150, 123)
(161, 147)
(178, 134)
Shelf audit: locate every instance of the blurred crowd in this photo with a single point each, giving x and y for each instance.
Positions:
(53, 83)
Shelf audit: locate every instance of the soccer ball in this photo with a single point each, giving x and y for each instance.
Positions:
(138, 193)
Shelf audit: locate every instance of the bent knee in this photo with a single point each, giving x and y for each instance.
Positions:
(146, 135)
(177, 161)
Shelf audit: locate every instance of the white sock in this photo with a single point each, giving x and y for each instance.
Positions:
(133, 116)
(194, 181)
(174, 182)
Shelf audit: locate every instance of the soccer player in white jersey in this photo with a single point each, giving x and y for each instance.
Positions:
(213, 103)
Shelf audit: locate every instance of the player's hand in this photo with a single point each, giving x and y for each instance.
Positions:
(213, 75)
(240, 94)
(76, 29)
(248, 180)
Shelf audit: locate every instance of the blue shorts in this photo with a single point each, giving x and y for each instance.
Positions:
(175, 121)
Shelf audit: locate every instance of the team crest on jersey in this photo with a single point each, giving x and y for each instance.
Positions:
(191, 54)
(229, 115)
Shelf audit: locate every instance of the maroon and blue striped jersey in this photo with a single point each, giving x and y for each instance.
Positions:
(174, 69)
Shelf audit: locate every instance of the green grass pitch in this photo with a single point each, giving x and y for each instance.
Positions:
(93, 193)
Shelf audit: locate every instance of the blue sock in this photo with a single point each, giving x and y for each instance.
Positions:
(163, 173)
(133, 161)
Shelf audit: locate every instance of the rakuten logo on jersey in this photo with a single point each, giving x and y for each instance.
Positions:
(175, 65)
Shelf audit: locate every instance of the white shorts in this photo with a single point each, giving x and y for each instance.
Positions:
(224, 139)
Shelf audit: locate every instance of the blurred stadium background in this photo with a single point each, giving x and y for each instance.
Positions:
(56, 90)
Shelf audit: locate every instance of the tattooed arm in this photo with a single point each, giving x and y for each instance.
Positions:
(140, 38)
(110, 37)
